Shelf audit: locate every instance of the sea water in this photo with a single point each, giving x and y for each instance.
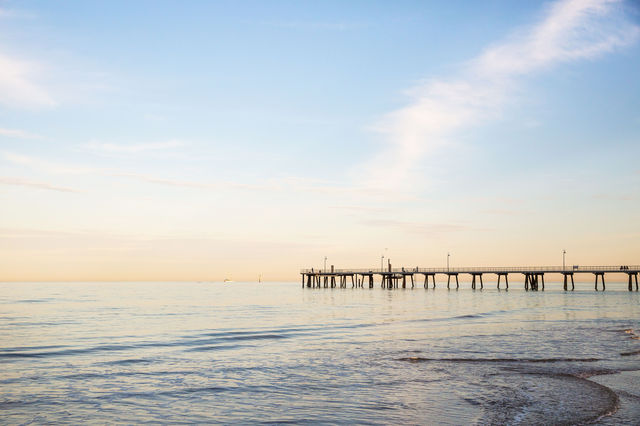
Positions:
(280, 353)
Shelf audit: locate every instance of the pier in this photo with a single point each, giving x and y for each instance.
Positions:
(391, 278)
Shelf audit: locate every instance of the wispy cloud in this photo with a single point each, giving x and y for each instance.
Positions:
(18, 87)
(16, 133)
(569, 30)
(284, 184)
(45, 165)
(281, 184)
(191, 184)
(112, 148)
(34, 184)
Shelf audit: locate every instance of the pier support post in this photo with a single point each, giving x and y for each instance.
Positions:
(473, 281)
(601, 274)
(533, 282)
(455, 274)
(426, 280)
(412, 283)
(530, 281)
(506, 280)
(542, 279)
(481, 283)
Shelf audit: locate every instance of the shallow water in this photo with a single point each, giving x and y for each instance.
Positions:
(243, 352)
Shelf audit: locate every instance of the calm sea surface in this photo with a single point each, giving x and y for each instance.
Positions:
(277, 353)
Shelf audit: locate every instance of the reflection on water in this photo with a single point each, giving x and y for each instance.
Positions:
(202, 352)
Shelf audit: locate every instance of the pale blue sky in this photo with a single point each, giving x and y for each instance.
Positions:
(196, 140)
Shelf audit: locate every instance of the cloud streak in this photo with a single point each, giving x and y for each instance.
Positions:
(16, 133)
(569, 30)
(34, 184)
(283, 184)
(46, 166)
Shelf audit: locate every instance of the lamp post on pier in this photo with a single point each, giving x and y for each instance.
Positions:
(382, 261)
(564, 252)
(448, 255)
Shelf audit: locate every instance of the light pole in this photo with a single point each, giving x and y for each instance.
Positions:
(448, 255)
(382, 260)
(564, 252)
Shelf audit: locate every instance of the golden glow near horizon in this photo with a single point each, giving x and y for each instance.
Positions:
(266, 154)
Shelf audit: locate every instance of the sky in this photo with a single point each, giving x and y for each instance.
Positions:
(203, 140)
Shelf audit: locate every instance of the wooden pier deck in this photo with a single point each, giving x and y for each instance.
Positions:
(391, 278)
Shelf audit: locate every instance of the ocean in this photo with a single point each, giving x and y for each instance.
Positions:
(277, 353)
